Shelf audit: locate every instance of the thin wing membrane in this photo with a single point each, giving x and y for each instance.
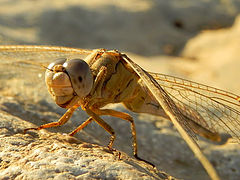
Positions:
(175, 113)
(214, 109)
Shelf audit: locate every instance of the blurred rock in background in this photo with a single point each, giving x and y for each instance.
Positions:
(145, 27)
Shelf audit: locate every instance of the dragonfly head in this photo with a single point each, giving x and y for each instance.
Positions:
(68, 81)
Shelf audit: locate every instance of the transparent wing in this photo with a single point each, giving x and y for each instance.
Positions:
(22, 72)
(175, 112)
(216, 110)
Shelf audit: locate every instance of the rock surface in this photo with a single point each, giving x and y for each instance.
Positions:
(210, 57)
(55, 156)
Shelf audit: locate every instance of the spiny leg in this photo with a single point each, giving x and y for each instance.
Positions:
(128, 118)
(84, 124)
(104, 125)
(60, 122)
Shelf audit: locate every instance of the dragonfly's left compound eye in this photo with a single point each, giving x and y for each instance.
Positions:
(80, 76)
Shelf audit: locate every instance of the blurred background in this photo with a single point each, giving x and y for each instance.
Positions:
(193, 39)
(203, 34)
(145, 27)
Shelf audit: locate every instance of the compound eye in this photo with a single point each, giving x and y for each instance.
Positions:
(80, 76)
(59, 61)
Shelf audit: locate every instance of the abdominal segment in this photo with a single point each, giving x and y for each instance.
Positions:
(144, 102)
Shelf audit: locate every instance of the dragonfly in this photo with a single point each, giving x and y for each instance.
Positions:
(91, 79)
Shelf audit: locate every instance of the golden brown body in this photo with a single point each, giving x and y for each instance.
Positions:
(114, 81)
(122, 85)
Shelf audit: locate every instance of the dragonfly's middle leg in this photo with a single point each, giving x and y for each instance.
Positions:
(104, 125)
(128, 118)
(79, 128)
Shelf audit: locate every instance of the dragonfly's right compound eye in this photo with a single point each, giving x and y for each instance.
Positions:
(80, 75)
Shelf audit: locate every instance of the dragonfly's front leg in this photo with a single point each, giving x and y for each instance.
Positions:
(60, 122)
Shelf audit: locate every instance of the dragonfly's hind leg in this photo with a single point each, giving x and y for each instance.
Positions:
(60, 122)
(128, 118)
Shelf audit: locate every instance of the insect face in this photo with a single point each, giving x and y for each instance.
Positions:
(68, 81)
